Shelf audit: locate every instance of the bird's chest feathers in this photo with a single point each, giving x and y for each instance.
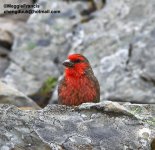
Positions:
(77, 91)
(75, 84)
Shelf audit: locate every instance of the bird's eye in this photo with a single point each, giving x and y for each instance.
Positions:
(77, 61)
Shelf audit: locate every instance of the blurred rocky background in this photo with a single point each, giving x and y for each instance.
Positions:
(117, 37)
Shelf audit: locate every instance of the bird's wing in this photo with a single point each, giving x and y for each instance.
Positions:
(61, 84)
(90, 74)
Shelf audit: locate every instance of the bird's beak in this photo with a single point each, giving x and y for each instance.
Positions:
(68, 63)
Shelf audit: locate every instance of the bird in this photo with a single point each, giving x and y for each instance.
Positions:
(79, 84)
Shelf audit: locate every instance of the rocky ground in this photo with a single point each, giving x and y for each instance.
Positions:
(118, 39)
(106, 125)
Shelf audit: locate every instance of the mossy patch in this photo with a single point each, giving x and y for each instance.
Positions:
(43, 95)
(151, 121)
(136, 110)
(30, 46)
(48, 85)
(58, 27)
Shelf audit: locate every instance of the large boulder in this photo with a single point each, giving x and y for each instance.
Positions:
(105, 125)
(9, 95)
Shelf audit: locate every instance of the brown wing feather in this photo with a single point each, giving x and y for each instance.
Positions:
(90, 74)
(61, 83)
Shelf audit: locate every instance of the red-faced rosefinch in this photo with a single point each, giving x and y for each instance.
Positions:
(79, 84)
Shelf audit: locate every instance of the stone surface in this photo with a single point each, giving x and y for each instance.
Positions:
(105, 125)
(9, 95)
(4, 64)
(46, 44)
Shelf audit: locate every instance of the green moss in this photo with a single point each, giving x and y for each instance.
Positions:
(58, 27)
(151, 121)
(31, 45)
(49, 84)
(136, 110)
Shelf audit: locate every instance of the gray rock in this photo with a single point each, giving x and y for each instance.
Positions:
(4, 64)
(40, 49)
(9, 95)
(105, 125)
